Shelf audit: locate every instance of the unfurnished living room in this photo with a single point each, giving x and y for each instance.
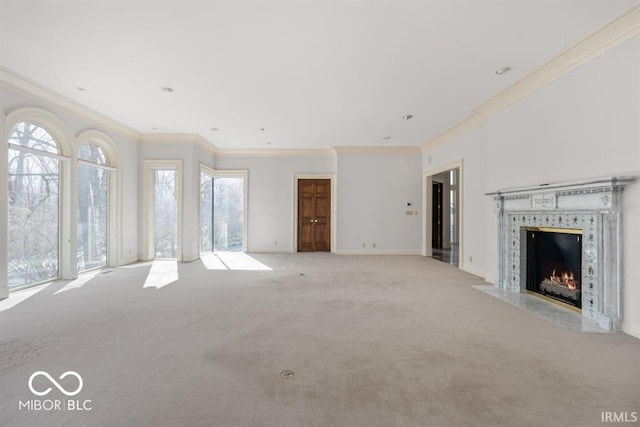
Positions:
(320, 213)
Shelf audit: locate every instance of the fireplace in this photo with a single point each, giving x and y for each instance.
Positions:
(554, 264)
(564, 241)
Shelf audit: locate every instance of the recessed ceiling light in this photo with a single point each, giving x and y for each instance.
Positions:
(407, 116)
(154, 128)
(503, 70)
(167, 89)
(214, 129)
(386, 137)
(261, 129)
(80, 88)
(268, 143)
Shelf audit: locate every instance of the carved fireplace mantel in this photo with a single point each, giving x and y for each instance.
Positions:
(593, 206)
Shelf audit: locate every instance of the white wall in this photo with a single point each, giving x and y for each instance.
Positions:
(585, 124)
(477, 214)
(271, 196)
(373, 192)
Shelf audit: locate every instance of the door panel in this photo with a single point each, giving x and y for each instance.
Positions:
(314, 215)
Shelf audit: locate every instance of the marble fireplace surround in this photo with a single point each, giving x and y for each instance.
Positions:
(593, 206)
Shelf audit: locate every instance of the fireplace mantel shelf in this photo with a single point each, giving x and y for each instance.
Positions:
(593, 206)
(583, 185)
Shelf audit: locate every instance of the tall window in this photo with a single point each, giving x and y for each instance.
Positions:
(34, 183)
(93, 190)
(165, 214)
(221, 212)
(206, 213)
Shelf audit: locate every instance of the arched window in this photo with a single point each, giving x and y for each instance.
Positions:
(34, 206)
(93, 207)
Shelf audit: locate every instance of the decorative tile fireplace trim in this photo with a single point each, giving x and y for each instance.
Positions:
(593, 206)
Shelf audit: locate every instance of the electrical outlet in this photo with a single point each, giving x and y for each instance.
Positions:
(275, 243)
(373, 245)
(470, 259)
(364, 245)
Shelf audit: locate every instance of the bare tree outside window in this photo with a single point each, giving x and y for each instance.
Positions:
(228, 200)
(33, 241)
(166, 214)
(206, 217)
(92, 209)
(221, 213)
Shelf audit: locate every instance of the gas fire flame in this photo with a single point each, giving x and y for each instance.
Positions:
(566, 278)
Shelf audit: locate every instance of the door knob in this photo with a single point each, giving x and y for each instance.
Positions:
(311, 221)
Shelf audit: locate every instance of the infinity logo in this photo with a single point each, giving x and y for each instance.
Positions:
(55, 383)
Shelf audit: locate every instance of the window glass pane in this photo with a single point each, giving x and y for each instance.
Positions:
(33, 136)
(206, 217)
(33, 212)
(228, 216)
(92, 153)
(92, 217)
(166, 215)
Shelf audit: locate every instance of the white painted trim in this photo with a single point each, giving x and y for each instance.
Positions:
(148, 202)
(377, 150)
(427, 190)
(377, 252)
(127, 261)
(237, 173)
(608, 36)
(259, 250)
(633, 330)
(472, 270)
(275, 153)
(15, 81)
(334, 207)
(466, 125)
(178, 138)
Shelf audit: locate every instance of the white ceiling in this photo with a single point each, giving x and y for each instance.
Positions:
(314, 74)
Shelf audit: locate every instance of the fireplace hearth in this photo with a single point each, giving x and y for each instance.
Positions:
(563, 242)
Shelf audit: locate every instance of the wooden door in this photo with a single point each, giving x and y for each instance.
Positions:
(314, 215)
(437, 209)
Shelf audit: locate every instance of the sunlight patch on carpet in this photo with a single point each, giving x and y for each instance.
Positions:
(232, 261)
(163, 272)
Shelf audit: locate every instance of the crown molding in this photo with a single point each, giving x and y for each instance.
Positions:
(377, 150)
(178, 138)
(468, 124)
(15, 81)
(610, 35)
(299, 152)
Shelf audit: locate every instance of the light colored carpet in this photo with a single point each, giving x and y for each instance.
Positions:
(373, 341)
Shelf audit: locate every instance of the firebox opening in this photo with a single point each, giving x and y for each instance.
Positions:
(554, 264)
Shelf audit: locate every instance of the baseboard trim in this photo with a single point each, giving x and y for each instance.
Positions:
(127, 261)
(633, 330)
(376, 252)
(472, 270)
(270, 251)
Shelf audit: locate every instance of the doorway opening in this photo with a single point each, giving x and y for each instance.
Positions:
(222, 211)
(443, 215)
